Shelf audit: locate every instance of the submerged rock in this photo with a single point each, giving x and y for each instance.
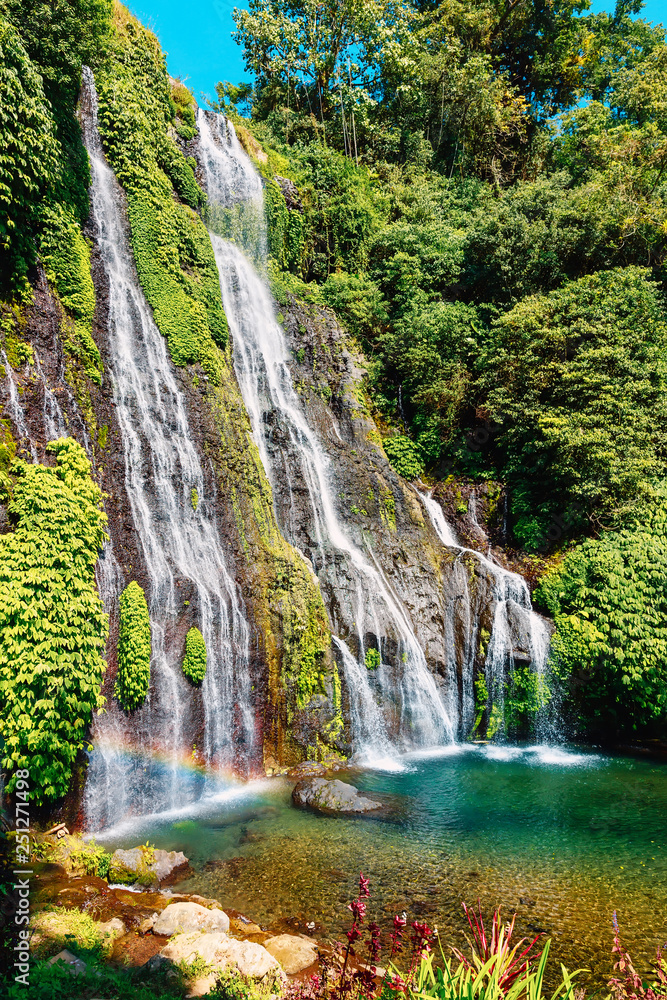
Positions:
(147, 868)
(332, 796)
(186, 917)
(220, 952)
(294, 953)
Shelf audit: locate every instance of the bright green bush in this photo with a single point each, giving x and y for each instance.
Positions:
(28, 154)
(194, 661)
(52, 625)
(66, 257)
(134, 649)
(577, 381)
(609, 601)
(358, 302)
(372, 659)
(404, 456)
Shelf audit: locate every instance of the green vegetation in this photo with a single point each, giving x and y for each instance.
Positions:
(44, 167)
(194, 661)
(484, 206)
(66, 257)
(609, 601)
(372, 659)
(72, 929)
(134, 649)
(172, 250)
(55, 982)
(404, 456)
(52, 625)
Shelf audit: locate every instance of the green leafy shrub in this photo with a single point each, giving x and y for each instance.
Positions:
(526, 692)
(609, 601)
(576, 382)
(134, 649)
(52, 624)
(194, 661)
(372, 659)
(29, 154)
(66, 257)
(404, 456)
(358, 302)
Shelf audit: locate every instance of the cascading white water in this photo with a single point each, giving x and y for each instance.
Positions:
(512, 602)
(137, 763)
(14, 407)
(261, 362)
(55, 425)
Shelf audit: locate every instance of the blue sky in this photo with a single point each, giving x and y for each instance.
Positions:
(197, 37)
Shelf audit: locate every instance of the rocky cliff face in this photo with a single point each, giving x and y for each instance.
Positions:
(450, 595)
(404, 608)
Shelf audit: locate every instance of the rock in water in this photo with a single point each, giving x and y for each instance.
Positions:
(332, 796)
(294, 953)
(137, 865)
(220, 952)
(185, 917)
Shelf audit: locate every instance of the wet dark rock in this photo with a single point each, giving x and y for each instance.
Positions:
(290, 193)
(332, 797)
(307, 769)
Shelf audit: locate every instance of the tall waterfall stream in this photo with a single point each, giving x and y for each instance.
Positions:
(261, 360)
(137, 762)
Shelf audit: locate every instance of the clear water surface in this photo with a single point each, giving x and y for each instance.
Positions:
(561, 835)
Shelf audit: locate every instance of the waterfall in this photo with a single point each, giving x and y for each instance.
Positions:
(141, 763)
(512, 607)
(55, 425)
(14, 407)
(405, 690)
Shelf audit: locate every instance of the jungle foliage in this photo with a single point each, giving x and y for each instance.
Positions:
(484, 205)
(134, 649)
(194, 661)
(52, 625)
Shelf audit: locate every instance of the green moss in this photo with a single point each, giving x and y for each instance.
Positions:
(238, 517)
(12, 327)
(7, 456)
(74, 930)
(495, 722)
(481, 701)
(66, 258)
(388, 508)
(102, 436)
(305, 631)
(194, 498)
(194, 661)
(372, 659)
(172, 249)
(134, 649)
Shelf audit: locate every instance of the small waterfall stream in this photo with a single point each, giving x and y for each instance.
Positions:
(181, 545)
(261, 361)
(14, 407)
(512, 603)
